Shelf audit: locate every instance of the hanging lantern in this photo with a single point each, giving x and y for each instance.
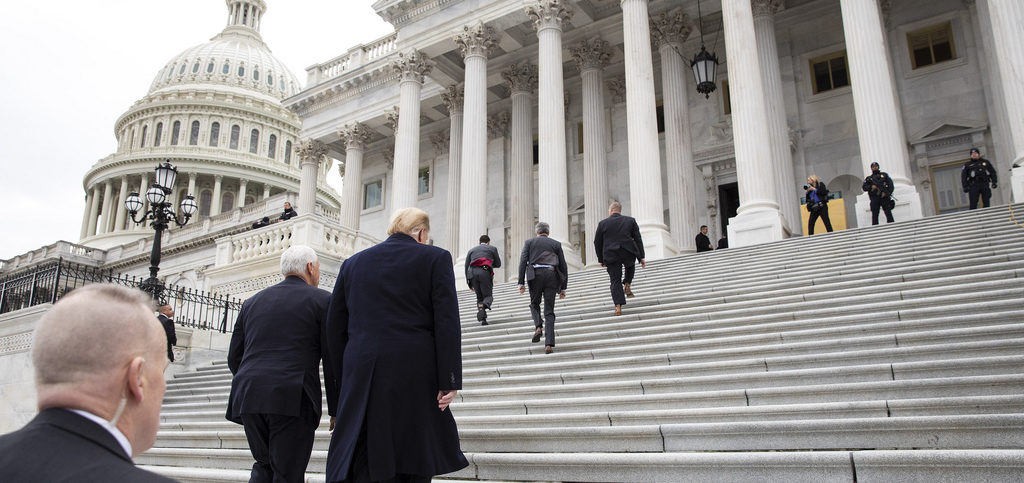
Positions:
(705, 66)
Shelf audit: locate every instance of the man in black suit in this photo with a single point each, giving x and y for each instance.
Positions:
(275, 353)
(702, 240)
(617, 244)
(99, 363)
(542, 265)
(166, 318)
(480, 264)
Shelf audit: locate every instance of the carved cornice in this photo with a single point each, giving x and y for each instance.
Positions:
(412, 66)
(672, 27)
(477, 39)
(311, 150)
(355, 135)
(548, 14)
(591, 54)
(766, 7)
(453, 98)
(521, 77)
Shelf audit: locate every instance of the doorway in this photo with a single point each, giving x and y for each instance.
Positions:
(728, 203)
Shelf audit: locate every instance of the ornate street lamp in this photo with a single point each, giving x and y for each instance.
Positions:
(704, 64)
(161, 213)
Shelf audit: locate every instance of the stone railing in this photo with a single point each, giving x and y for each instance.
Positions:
(325, 235)
(355, 57)
(61, 249)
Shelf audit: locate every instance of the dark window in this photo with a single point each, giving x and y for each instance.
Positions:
(235, 132)
(205, 199)
(227, 202)
(195, 67)
(209, 67)
(659, 112)
(726, 98)
(182, 69)
(579, 138)
(170, 71)
(270, 79)
(159, 133)
(193, 136)
(287, 152)
(272, 149)
(830, 72)
(225, 69)
(256, 74)
(254, 141)
(214, 134)
(175, 130)
(424, 181)
(536, 151)
(372, 194)
(241, 71)
(145, 129)
(931, 45)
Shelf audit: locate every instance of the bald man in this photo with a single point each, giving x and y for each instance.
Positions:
(99, 357)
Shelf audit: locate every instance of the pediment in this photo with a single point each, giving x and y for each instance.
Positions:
(948, 128)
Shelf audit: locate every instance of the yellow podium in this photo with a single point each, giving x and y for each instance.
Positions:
(836, 215)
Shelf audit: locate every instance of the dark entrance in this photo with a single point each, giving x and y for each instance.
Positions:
(728, 202)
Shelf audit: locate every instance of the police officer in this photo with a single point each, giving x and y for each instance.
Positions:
(480, 264)
(975, 177)
(879, 187)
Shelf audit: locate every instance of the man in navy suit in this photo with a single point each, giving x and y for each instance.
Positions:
(617, 244)
(99, 357)
(275, 355)
(542, 266)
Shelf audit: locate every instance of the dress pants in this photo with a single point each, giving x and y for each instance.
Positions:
(359, 469)
(979, 191)
(281, 445)
(880, 204)
(615, 264)
(544, 284)
(483, 285)
(823, 213)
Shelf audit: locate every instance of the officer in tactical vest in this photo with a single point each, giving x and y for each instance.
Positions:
(879, 187)
(975, 177)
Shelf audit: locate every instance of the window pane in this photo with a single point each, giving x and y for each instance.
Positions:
(272, 148)
(225, 69)
(159, 132)
(195, 67)
(839, 76)
(209, 67)
(144, 130)
(214, 134)
(254, 141)
(822, 82)
(255, 74)
(943, 52)
(372, 195)
(227, 202)
(922, 57)
(287, 152)
(204, 203)
(193, 136)
(235, 132)
(182, 70)
(424, 181)
(270, 79)
(175, 130)
(241, 71)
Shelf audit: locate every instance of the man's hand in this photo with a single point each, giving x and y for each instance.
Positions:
(643, 263)
(333, 420)
(561, 295)
(522, 290)
(602, 265)
(874, 188)
(444, 398)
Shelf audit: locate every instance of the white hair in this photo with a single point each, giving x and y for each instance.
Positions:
(295, 258)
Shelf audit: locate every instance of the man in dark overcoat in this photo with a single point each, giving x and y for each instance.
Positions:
(395, 339)
(618, 245)
(542, 266)
(275, 353)
(702, 241)
(166, 318)
(480, 264)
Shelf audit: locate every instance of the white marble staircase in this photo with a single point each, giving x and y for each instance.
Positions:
(889, 353)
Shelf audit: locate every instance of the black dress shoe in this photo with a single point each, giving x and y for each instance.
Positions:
(537, 335)
(484, 322)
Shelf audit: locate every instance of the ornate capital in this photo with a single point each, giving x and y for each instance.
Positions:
(548, 14)
(765, 7)
(311, 150)
(389, 157)
(497, 125)
(391, 117)
(441, 139)
(591, 54)
(673, 27)
(521, 77)
(355, 135)
(477, 39)
(453, 98)
(412, 66)
(617, 86)
(341, 168)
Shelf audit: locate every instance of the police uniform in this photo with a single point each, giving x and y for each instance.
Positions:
(975, 178)
(881, 198)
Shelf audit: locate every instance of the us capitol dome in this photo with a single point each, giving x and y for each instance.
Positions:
(215, 112)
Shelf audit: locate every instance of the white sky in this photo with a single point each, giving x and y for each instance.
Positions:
(69, 68)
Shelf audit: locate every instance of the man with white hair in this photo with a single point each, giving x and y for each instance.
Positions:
(99, 357)
(275, 353)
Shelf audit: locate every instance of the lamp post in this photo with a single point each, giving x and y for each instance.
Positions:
(161, 213)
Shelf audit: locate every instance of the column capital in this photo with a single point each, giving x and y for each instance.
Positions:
(389, 157)
(617, 86)
(311, 151)
(391, 117)
(412, 66)
(548, 14)
(477, 39)
(355, 135)
(440, 140)
(673, 27)
(591, 54)
(218, 178)
(521, 77)
(453, 97)
(762, 8)
(497, 125)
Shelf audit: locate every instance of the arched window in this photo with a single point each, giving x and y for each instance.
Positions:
(272, 150)
(175, 130)
(204, 202)
(287, 152)
(254, 141)
(256, 74)
(235, 132)
(193, 136)
(270, 78)
(209, 67)
(214, 133)
(131, 139)
(241, 71)
(227, 202)
(226, 68)
(145, 130)
(170, 70)
(181, 70)
(195, 67)
(159, 133)
(282, 83)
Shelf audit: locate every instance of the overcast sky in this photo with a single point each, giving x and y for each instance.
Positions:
(69, 68)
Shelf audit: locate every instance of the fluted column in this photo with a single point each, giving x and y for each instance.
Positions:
(94, 200)
(548, 16)
(670, 31)
(355, 136)
(85, 215)
(645, 196)
(192, 184)
(121, 212)
(412, 67)
(453, 100)
(311, 154)
(775, 107)
(108, 188)
(591, 56)
(877, 108)
(143, 187)
(266, 191)
(1007, 17)
(215, 203)
(522, 82)
(758, 218)
(243, 186)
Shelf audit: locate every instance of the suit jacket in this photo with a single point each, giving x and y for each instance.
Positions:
(396, 340)
(542, 250)
(482, 250)
(61, 446)
(172, 336)
(276, 350)
(703, 242)
(618, 232)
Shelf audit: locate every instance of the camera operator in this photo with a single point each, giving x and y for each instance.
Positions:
(817, 203)
(879, 187)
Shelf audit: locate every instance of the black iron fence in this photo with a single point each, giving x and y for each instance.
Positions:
(49, 281)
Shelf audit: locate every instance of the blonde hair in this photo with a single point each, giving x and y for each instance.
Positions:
(410, 221)
(814, 179)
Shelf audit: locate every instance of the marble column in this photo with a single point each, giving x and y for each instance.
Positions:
(243, 186)
(311, 153)
(1007, 16)
(192, 185)
(669, 31)
(143, 187)
(266, 191)
(548, 16)
(108, 197)
(876, 106)
(758, 218)
(453, 100)
(775, 105)
(215, 202)
(94, 201)
(121, 211)
(645, 196)
(591, 56)
(475, 42)
(355, 135)
(85, 215)
(522, 82)
(412, 67)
